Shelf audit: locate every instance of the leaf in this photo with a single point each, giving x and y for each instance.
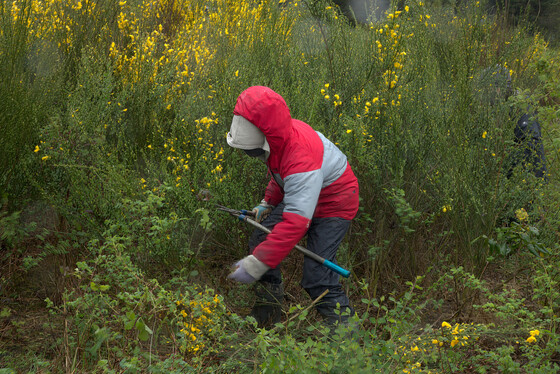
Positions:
(6, 312)
(534, 230)
(143, 335)
(130, 315)
(505, 250)
(129, 325)
(532, 249)
(144, 331)
(104, 287)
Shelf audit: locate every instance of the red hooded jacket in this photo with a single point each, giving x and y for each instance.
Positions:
(309, 173)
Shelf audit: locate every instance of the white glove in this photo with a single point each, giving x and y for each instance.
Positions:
(248, 270)
(240, 274)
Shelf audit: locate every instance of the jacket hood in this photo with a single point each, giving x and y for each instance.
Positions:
(268, 111)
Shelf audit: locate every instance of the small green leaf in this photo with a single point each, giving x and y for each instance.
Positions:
(143, 335)
(6, 312)
(140, 325)
(130, 315)
(129, 325)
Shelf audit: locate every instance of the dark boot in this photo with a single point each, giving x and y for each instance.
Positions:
(268, 304)
(332, 315)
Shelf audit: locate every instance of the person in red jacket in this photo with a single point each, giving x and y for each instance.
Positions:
(312, 191)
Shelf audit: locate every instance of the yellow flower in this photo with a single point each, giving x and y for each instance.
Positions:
(45, 158)
(522, 215)
(435, 341)
(534, 332)
(445, 324)
(36, 149)
(531, 339)
(454, 342)
(348, 131)
(484, 134)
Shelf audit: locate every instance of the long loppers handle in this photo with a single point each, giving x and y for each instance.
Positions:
(329, 264)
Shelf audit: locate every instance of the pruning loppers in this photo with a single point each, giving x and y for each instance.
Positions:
(244, 215)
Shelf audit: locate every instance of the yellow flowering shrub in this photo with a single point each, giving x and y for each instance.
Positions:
(199, 319)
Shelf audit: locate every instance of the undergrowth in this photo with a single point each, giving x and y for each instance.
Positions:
(113, 118)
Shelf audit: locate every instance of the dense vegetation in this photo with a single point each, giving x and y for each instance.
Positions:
(113, 118)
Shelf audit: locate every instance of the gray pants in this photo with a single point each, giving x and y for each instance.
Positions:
(323, 238)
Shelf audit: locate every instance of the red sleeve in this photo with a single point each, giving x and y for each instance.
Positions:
(274, 194)
(284, 236)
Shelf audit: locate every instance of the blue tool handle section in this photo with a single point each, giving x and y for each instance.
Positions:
(247, 212)
(334, 267)
(337, 269)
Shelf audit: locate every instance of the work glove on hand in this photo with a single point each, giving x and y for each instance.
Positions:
(248, 270)
(240, 274)
(262, 211)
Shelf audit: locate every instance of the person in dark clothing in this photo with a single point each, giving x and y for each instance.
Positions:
(495, 87)
(530, 150)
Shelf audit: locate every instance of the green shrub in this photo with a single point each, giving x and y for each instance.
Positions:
(116, 113)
